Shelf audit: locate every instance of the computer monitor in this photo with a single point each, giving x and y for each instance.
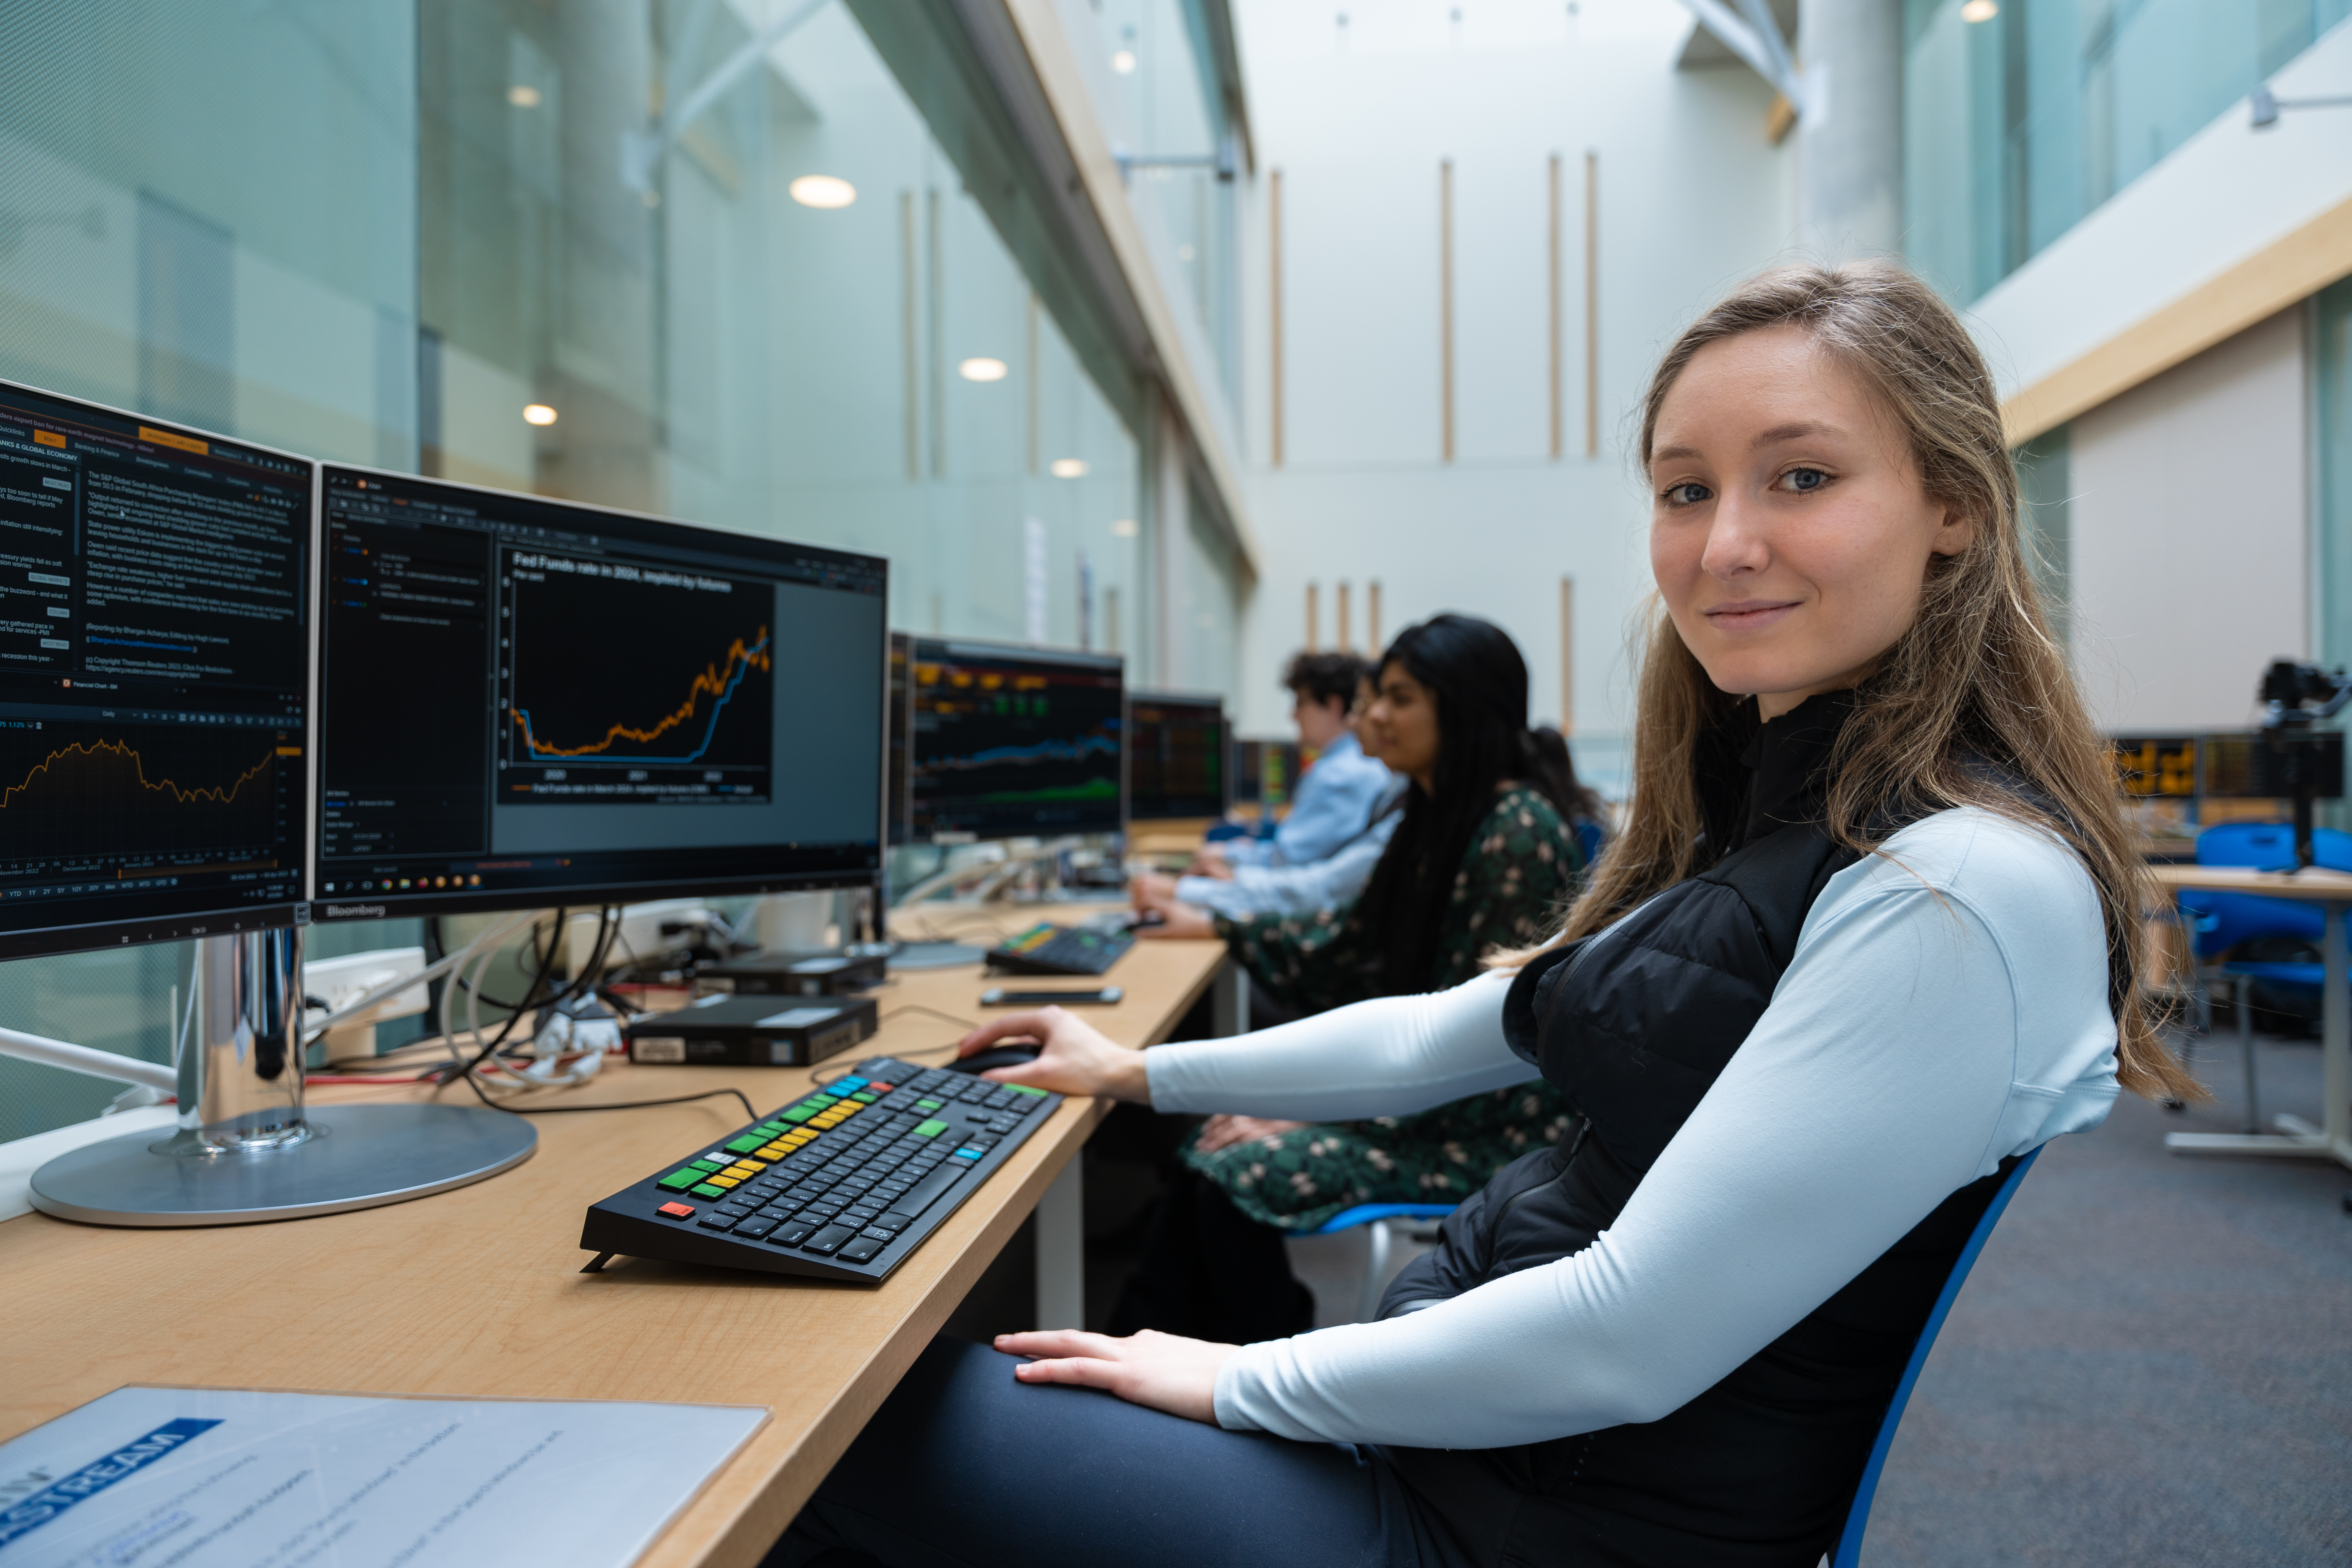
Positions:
(1177, 764)
(1012, 741)
(156, 632)
(526, 701)
(896, 805)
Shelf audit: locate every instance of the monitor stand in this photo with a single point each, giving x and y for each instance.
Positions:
(247, 1150)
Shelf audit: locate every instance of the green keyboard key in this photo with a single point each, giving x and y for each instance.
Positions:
(1025, 1089)
(678, 1181)
(707, 1191)
(707, 1165)
(745, 1144)
(930, 1128)
(928, 1104)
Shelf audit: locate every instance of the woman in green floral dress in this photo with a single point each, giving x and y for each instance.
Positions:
(1485, 857)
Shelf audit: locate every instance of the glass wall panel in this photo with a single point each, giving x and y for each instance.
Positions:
(2045, 481)
(704, 257)
(1160, 100)
(2021, 120)
(2333, 522)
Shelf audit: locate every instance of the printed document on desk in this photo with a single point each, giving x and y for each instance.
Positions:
(212, 1477)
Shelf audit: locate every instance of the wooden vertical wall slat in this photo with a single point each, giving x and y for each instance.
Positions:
(1446, 303)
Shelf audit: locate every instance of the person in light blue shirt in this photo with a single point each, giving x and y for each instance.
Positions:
(1337, 796)
(1336, 880)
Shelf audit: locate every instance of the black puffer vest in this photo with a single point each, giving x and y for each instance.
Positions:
(1633, 1026)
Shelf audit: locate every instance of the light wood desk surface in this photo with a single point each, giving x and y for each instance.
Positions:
(477, 1292)
(2313, 886)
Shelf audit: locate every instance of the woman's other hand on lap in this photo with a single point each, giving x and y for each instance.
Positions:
(1161, 1370)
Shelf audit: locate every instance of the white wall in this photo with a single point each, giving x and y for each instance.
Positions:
(2187, 523)
(1692, 198)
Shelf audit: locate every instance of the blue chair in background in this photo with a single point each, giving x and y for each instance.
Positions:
(1379, 1216)
(1849, 1547)
(2221, 921)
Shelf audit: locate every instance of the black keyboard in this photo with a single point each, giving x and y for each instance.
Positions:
(1048, 949)
(842, 1183)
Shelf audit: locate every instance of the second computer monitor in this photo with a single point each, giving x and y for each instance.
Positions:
(1176, 760)
(528, 702)
(1008, 742)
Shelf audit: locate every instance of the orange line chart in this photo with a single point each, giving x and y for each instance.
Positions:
(97, 751)
(716, 681)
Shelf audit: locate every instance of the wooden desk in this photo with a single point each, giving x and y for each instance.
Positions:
(1168, 835)
(2332, 891)
(479, 1291)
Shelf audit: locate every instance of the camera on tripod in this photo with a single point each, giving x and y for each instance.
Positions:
(2291, 759)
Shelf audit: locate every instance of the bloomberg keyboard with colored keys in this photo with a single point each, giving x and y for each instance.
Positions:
(842, 1184)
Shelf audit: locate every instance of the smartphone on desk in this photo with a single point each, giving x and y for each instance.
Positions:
(1101, 996)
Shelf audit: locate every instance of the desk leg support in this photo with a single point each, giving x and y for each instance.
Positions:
(2333, 1138)
(2336, 1040)
(1229, 1003)
(1062, 1250)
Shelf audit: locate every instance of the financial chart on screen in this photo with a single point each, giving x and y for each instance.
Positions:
(1176, 761)
(1009, 741)
(524, 699)
(155, 630)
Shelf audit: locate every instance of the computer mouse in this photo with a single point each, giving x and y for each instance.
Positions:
(995, 1057)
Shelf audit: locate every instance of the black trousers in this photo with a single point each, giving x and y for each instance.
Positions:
(1210, 1272)
(965, 1468)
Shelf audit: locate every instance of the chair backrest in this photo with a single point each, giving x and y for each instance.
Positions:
(2270, 846)
(1849, 1546)
(1364, 1214)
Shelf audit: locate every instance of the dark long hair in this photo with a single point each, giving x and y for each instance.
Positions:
(1473, 672)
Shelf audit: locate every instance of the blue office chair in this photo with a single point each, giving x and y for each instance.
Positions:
(1849, 1547)
(2220, 921)
(2270, 846)
(1376, 1267)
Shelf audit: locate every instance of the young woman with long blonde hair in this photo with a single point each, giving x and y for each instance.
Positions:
(1871, 933)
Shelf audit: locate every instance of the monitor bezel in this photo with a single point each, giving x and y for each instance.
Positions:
(1224, 750)
(49, 942)
(403, 906)
(1037, 652)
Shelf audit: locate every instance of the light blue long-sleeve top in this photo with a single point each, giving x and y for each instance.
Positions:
(1334, 802)
(1336, 880)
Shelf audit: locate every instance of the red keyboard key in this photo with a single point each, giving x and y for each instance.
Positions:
(676, 1211)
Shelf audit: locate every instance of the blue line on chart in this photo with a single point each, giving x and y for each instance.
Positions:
(694, 756)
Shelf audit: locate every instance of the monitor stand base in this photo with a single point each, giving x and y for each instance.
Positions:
(361, 1156)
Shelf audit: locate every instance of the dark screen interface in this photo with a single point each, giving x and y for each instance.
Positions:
(1175, 758)
(1005, 741)
(523, 699)
(155, 661)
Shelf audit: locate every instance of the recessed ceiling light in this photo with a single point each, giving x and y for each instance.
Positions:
(523, 96)
(1979, 11)
(1067, 468)
(538, 413)
(981, 369)
(822, 190)
(1125, 528)
(1123, 62)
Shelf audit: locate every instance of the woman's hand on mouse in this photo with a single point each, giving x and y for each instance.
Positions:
(1180, 919)
(1074, 1057)
(1161, 1370)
